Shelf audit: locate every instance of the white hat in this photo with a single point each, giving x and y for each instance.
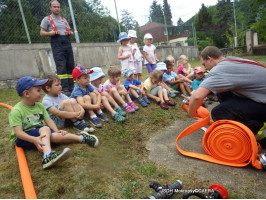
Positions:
(148, 36)
(132, 33)
(161, 66)
(97, 73)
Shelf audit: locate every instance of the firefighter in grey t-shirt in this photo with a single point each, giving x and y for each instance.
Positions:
(58, 29)
(240, 86)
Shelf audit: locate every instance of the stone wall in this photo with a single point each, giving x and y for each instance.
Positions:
(17, 60)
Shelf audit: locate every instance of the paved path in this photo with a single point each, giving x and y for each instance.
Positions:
(247, 181)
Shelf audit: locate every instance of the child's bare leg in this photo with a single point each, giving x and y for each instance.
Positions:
(182, 88)
(110, 99)
(68, 138)
(187, 89)
(114, 93)
(133, 93)
(45, 130)
(160, 94)
(94, 99)
(165, 95)
(107, 105)
(186, 79)
(87, 101)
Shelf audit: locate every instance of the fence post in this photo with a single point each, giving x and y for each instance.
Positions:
(74, 22)
(24, 21)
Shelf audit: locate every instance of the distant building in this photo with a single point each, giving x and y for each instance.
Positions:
(177, 35)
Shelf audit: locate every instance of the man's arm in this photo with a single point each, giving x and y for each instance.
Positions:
(44, 33)
(196, 100)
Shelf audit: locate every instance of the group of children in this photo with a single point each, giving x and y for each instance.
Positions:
(90, 97)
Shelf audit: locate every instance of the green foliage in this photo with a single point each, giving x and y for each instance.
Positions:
(204, 18)
(167, 12)
(140, 40)
(156, 13)
(127, 20)
(180, 22)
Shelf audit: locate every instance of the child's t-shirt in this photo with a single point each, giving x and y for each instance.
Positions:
(79, 92)
(150, 53)
(107, 86)
(27, 117)
(99, 89)
(148, 85)
(49, 102)
(169, 77)
(127, 83)
(195, 84)
(180, 70)
(137, 55)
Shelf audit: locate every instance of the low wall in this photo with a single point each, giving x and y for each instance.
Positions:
(17, 60)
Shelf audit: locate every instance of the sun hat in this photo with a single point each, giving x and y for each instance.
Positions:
(123, 36)
(127, 72)
(132, 33)
(148, 36)
(198, 69)
(161, 66)
(97, 73)
(27, 82)
(78, 71)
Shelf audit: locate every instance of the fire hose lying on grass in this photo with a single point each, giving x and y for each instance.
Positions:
(27, 183)
(226, 142)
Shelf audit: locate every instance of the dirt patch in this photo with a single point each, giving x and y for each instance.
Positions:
(246, 181)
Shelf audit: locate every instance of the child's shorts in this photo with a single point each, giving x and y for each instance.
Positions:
(28, 145)
(138, 67)
(151, 68)
(154, 91)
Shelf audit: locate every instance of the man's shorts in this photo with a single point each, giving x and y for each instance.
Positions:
(28, 145)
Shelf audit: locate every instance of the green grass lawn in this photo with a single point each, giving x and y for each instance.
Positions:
(118, 168)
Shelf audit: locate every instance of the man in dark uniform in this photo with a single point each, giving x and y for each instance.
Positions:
(58, 29)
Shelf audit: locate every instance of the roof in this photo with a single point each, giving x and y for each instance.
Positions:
(157, 31)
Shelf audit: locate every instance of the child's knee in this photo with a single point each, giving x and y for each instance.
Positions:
(104, 98)
(113, 90)
(45, 130)
(92, 95)
(86, 98)
(73, 101)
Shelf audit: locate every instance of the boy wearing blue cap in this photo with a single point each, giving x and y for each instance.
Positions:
(26, 120)
(107, 100)
(135, 88)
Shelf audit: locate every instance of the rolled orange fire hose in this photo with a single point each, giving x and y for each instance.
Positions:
(226, 142)
(27, 183)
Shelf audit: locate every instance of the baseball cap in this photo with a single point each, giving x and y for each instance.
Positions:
(97, 73)
(123, 36)
(198, 69)
(78, 71)
(161, 66)
(132, 33)
(127, 72)
(148, 36)
(27, 82)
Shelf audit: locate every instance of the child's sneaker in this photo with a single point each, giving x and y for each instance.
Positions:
(170, 103)
(142, 102)
(95, 121)
(145, 98)
(128, 108)
(163, 106)
(90, 140)
(118, 118)
(81, 125)
(120, 111)
(56, 157)
(132, 105)
(176, 92)
(102, 117)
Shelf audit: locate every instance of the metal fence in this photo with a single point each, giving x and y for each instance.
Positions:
(20, 21)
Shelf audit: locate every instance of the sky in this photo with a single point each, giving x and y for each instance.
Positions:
(139, 9)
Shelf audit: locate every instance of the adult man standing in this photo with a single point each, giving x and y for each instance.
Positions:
(58, 29)
(240, 85)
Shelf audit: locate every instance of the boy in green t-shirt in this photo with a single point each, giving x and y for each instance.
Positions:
(28, 131)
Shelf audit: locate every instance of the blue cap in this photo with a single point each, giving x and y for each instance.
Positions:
(97, 73)
(161, 66)
(127, 72)
(123, 36)
(27, 82)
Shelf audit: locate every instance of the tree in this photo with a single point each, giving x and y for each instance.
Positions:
(167, 12)
(225, 11)
(127, 20)
(180, 22)
(156, 13)
(204, 18)
(140, 41)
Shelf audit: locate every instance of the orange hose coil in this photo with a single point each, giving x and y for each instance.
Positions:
(226, 142)
(27, 183)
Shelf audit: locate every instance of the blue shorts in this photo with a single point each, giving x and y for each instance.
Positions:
(154, 91)
(132, 97)
(28, 145)
(150, 68)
